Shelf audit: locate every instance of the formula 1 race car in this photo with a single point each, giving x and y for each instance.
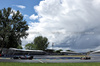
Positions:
(0, 55)
(85, 58)
(22, 57)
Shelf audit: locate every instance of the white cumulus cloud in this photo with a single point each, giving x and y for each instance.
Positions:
(33, 17)
(73, 24)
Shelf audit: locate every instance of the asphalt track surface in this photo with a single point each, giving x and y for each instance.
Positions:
(94, 59)
(48, 61)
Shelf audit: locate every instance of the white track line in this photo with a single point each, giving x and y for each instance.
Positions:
(40, 61)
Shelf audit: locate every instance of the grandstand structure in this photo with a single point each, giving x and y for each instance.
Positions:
(95, 52)
(14, 51)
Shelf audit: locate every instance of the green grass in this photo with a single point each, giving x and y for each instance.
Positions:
(49, 64)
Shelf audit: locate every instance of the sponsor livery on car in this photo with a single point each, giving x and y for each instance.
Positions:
(85, 58)
(23, 57)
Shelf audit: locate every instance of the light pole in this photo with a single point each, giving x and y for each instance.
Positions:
(52, 45)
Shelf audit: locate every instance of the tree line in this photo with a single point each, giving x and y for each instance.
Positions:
(13, 27)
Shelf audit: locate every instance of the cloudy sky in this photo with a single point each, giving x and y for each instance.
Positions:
(69, 24)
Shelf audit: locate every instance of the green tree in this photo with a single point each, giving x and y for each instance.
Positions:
(12, 28)
(69, 51)
(30, 46)
(41, 43)
(58, 51)
(19, 47)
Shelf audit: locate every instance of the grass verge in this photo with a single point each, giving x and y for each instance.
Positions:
(49, 64)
